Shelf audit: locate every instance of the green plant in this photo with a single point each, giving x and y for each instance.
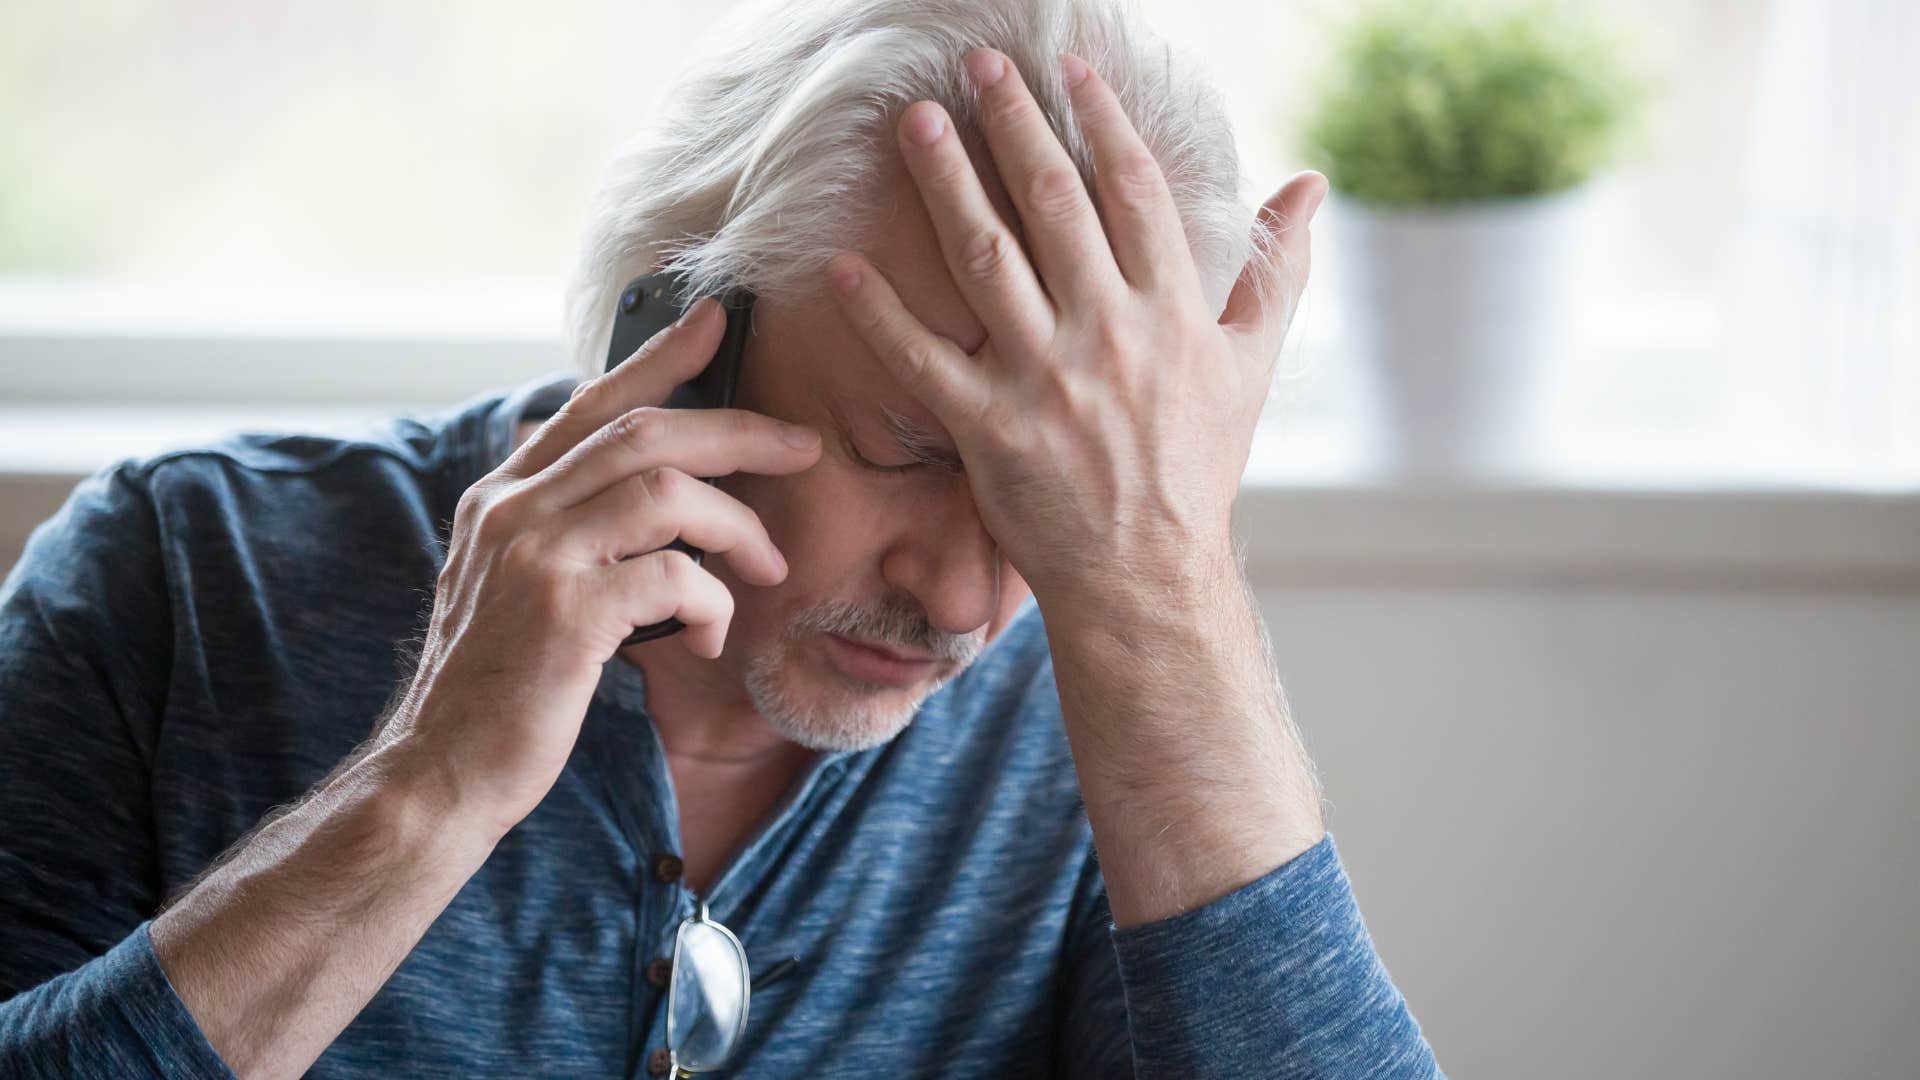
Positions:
(1440, 101)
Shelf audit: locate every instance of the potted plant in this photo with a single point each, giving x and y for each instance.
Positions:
(1462, 142)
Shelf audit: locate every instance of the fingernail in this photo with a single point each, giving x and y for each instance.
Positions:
(695, 313)
(798, 436)
(925, 126)
(845, 274)
(1073, 69)
(987, 67)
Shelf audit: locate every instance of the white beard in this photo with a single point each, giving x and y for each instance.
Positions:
(852, 715)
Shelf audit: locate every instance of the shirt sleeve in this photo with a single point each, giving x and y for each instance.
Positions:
(115, 1016)
(85, 647)
(1278, 978)
(1092, 1028)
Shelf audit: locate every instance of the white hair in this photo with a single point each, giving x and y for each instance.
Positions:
(763, 157)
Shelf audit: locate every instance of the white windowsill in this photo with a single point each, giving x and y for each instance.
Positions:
(1302, 526)
(94, 374)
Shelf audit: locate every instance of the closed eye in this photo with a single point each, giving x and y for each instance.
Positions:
(876, 466)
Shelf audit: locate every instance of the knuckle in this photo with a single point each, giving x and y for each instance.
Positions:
(673, 568)
(985, 253)
(491, 519)
(877, 323)
(1009, 110)
(585, 394)
(646, 489)
(590, 398)
(920, 359)
(638, 428)
(522, 559)
(1137, 180)
(472, 502)
(1068, 393)
(1113, 340)
(664, 484)
(1055, 192)
(954, 172)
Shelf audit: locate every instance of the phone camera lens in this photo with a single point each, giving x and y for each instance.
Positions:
(630, 299)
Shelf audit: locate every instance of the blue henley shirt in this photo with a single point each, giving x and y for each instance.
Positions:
(198, 637)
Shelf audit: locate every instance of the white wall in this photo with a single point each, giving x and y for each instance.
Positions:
(1641, 828)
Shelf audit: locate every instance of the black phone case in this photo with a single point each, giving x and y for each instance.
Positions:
(647, 306)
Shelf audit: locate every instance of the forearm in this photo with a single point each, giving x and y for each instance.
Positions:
(1193, 774)
(278, 947)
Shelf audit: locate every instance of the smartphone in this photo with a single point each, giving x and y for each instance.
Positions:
(648, 305)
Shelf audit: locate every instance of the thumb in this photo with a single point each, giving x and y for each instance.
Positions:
(1263, 298)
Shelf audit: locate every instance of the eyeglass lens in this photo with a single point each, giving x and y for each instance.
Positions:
(709, 996)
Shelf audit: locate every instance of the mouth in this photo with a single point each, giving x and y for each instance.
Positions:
(875, 663)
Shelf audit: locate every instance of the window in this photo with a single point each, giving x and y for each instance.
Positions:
(210, 201)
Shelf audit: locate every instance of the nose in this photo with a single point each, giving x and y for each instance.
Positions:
(946, 559)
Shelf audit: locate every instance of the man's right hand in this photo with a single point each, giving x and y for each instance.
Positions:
(553, 561)
(558, 554)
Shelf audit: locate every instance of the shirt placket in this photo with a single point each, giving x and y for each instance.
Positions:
(680, 902)
(648, 807)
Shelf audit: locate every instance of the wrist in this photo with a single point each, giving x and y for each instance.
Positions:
(1181, 586)
(421, 792)
(332, 894)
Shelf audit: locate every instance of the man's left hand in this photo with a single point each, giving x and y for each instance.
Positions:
(1106, 421)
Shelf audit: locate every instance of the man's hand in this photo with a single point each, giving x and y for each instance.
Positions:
(283, 941)
(556, 556)
(1106, 421)
(1104, 425)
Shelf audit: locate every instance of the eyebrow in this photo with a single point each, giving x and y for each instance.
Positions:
(914, 439)
(920, 444)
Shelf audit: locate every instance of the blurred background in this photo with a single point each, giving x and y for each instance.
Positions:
(1586, 510)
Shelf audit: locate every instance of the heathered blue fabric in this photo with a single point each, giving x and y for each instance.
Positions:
(198, 637)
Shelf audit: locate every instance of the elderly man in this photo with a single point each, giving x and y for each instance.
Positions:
(970, 760)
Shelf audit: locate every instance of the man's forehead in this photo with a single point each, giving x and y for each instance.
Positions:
(845, 378)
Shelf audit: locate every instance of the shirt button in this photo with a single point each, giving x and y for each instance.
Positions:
(659, 971)
(658, 1062)
(668, 867)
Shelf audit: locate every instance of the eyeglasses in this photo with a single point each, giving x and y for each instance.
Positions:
(708, 994)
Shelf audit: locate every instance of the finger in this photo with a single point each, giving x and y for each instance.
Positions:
(1148, 241)
(1057, 214)
(932, 368)
(1263, 299)
(701, 442)
(666, 360)
(668, 585)
(981, 251)
(649, 510)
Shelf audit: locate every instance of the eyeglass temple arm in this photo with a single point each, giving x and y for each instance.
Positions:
(775, 973)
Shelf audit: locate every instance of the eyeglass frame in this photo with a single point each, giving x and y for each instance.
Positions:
(702, 916)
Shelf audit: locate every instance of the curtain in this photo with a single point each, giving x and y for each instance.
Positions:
(1824, 282)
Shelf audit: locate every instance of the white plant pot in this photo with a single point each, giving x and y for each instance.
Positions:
(1455, 315)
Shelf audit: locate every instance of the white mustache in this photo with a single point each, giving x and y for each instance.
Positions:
(896, 622)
